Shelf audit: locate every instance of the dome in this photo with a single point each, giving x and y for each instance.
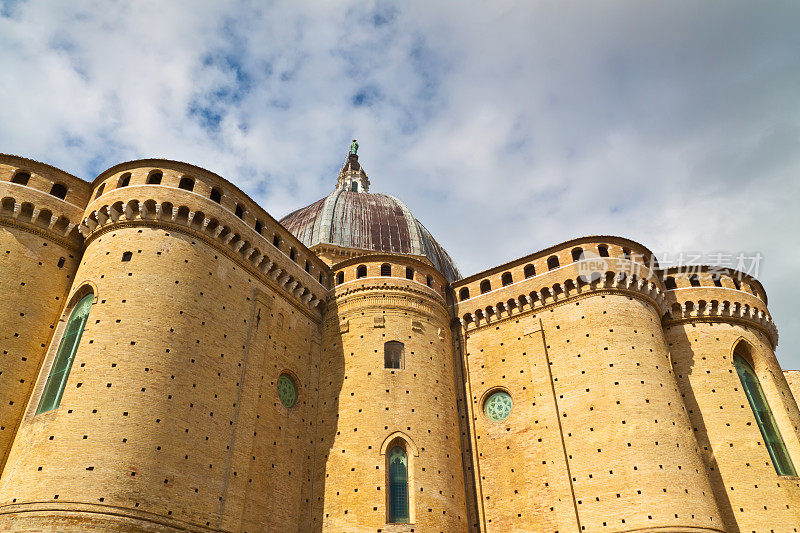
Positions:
(352, 217)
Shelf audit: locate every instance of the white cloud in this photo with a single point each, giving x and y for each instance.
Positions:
(506, 126)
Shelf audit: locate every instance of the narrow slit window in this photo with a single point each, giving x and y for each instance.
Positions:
(57, 380)
(398, 485)
(763, 414)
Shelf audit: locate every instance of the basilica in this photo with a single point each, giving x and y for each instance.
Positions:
(174, 358)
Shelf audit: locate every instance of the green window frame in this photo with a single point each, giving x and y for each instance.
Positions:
(763, 414)
(398, 485)
(59, 372)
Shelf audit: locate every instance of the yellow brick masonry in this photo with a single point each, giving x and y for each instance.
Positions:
(628, 413)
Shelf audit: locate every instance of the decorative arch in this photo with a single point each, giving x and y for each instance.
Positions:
(398, 448)
(762, 411)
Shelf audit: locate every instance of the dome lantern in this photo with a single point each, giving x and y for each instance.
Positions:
(351, 221)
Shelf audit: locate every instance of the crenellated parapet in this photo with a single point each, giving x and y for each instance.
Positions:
(381, 280)
(42, 199)
(204, 205)
(571, 270)
(714, 294)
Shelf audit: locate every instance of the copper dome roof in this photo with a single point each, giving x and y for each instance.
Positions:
(352, 217)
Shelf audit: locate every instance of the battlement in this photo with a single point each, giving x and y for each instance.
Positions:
(708, 293)
(566, 270)
(42, 199)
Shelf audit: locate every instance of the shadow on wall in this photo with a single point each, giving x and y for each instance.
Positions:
(686, 364)
(331, 379)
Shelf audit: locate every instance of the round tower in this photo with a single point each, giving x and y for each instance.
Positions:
(578, 420)
(722, 340)
(389, 448)
(178, 387)
(40, 246)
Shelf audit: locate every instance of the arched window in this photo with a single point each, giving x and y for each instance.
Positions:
(292, 254)
(602, 249)
(463, 294)
(694, 281)
(763, 414)
(398, 485)
(59, 372)
(258, 226)
(239, 211)
(155, 178)
(626, 253)
(737, 283)
(671, 283)
(552, 262)
(577, 254)
(339, 278)
(124, 180)
(507, 279)
(486, 286)
(386, 269)
(186, 183)
(717, 281)
(530, 271)
(276, 241)
(21, 178)
(409, 273)
(59, 190)
(394, 355)
(99, 191)
(216, 195)
(361, 271)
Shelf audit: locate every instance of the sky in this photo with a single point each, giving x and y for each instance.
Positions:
(506, 127)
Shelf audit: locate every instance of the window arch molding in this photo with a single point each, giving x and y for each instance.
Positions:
(60, 364)
(744, 362)
(400, 439)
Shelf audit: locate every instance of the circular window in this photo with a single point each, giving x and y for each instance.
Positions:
(498, 406)
(287, 391)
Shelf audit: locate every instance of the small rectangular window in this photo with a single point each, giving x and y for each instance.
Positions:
(126, 256)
